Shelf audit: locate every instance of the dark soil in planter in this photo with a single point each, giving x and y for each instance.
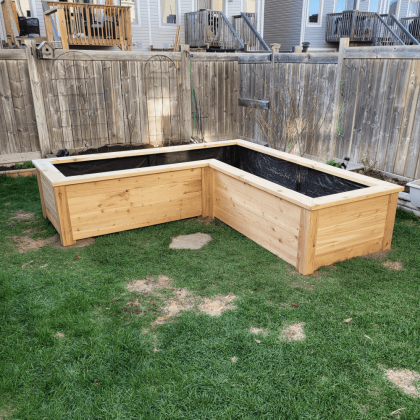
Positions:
(307, 181)
(378, 175)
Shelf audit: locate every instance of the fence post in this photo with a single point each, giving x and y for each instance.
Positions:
(275, 48)
(344, 43)
(35, 75)
(186, 91)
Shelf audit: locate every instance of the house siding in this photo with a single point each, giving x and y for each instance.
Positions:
(2, 28)
(40, 15)
(316, 34)
(166, 34)
(283, 23)
(404, 8)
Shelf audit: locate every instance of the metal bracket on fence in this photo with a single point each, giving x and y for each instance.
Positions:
(253, 103)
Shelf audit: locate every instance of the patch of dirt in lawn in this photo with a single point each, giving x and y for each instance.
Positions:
(59, 335)
(315, 274)
(26, 243)
(150, 284)
(380, 255)
(393, 265)
(303, 285)
(258, 331)
(293, 332)
(6, 412)
(206, 221)
(406, 380)
(180, 299)
(21, 215)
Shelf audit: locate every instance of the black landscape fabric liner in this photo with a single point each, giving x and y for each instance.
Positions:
(306, 181)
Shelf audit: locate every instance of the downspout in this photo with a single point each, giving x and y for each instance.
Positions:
(150, 23)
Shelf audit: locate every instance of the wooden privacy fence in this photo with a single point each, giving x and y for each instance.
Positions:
(79, 100)
(365, 99)
(295, 86)
(368, 97)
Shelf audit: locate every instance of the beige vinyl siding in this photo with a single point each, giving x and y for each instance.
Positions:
(283, 22)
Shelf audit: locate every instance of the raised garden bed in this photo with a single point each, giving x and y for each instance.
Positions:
(309, 214)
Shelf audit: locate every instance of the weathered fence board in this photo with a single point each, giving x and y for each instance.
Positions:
(379, 113)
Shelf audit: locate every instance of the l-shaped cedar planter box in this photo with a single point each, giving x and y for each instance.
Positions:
(307, 213)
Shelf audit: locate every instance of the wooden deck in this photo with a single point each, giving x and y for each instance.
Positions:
(89, 24)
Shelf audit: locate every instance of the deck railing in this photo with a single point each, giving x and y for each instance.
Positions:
(400, 30)
(211, 28)
(358, 26)
(366, 27)
(412, 24)
(245, 26)
(95, 24)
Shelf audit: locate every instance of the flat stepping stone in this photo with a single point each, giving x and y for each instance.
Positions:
(195, 241)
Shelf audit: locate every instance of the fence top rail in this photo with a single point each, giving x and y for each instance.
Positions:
(86, 55)
(396, 51)
(309, 58)
(93, 6)
(13, 54)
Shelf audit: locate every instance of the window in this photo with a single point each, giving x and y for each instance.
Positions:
(393, 7)
(374, 6)
(217, 5)
(250, 6)
(315, 11)
(414, 9)
(343, 5)
(168, 10)
(132, 5)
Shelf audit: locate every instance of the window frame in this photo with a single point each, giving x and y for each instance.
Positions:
(320, 14)
(398, 8)
(196, 4)
(418, 8)
(137, 22)
(168, 25)
(357, 5)
(379, 6)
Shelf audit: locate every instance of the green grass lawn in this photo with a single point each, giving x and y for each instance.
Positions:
(105, 366)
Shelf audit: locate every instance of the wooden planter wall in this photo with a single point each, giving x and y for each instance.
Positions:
(306, 232)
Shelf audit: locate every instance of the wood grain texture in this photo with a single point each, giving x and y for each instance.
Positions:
(124, 204)
(307, 241)
(41, 194)
(390, 221)
(38, 96)
(271, 227)
(351, 230)
(207, 182)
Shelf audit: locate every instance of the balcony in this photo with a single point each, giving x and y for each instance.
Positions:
(353, 24)
(89, 24)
